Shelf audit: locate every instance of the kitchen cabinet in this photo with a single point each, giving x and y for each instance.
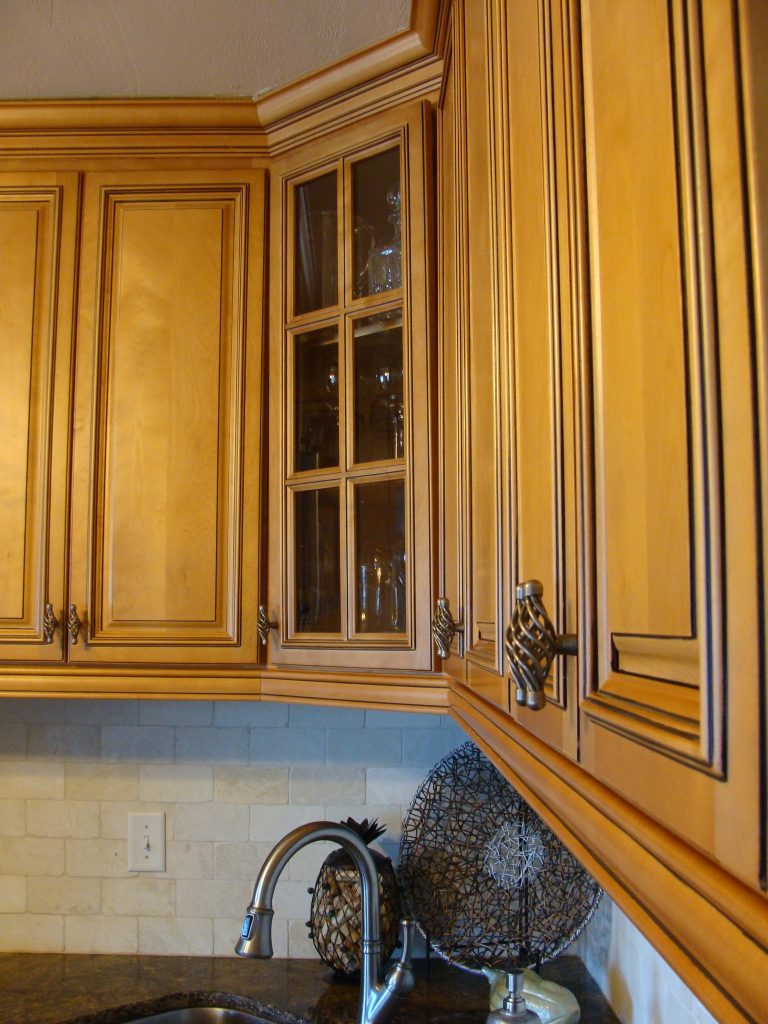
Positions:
(38, 226)
(158, 559)
(625, 194)
(669, 633)
(350, 568)
(473, 527)
(623, 298)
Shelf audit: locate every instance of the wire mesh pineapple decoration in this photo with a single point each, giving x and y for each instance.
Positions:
(335, 921)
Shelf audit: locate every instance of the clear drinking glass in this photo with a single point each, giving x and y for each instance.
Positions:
(380, 569)
(377, 229)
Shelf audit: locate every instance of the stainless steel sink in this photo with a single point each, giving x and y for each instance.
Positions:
(206, 1015)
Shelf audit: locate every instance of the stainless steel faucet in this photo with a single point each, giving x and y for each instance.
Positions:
(378, 998)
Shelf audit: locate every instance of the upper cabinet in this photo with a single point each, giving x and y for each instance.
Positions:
(156, 559)
(616, 193)
(473, 526)
(350, 568)
(670, 582)
(38, 231)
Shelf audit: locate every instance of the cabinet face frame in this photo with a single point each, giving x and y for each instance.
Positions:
(227, 207)
(41, 352)
(407, 128)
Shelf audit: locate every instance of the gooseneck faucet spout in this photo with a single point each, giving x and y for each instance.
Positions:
(378, 998)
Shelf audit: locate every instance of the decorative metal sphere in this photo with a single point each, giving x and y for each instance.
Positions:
(488, 882)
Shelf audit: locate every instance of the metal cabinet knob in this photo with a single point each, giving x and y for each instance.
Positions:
(531, 644)
(444, 628)
(74, 623)
(264, 624)
(50, 624)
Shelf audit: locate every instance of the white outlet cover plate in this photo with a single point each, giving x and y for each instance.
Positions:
(146, 841)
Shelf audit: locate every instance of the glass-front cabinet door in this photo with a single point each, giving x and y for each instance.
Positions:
(350, 493)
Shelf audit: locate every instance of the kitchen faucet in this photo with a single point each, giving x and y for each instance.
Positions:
(378, 998)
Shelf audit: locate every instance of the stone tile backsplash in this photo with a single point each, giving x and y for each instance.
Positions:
(232, 777)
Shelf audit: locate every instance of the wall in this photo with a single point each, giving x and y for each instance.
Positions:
(638, 984)
(232, 777)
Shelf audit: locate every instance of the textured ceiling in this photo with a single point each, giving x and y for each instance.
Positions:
(67, 49)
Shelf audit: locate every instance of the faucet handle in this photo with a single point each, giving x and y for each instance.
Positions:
(408, 932)
(400, 979)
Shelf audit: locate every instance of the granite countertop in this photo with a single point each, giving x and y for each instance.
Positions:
(54, 988)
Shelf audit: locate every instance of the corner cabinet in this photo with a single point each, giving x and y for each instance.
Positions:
(623, 197)
(143, 544)
(350, 363)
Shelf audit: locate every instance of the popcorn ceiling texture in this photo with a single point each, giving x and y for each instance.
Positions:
(232, 778)
(54, 49)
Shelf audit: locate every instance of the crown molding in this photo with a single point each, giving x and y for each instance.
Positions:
(402, 67)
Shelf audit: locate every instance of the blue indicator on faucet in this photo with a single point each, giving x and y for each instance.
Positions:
(247, 925)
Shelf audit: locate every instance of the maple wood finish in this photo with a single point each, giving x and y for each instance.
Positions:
(166, 455)
(38, 224)
(473, 480)
(602, 367)
(620, 209)
(328, 491)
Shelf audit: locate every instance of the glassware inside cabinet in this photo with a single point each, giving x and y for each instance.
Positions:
(316, 249)
(377, 232)
(380, 569)
(378, 394)
(317, 560)
(316, 399)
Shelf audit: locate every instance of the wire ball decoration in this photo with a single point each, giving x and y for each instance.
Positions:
(488, 882)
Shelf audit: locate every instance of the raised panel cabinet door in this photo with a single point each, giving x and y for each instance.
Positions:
(472, 248)
(350, 479)
(537, 113)
(165, 513)
(38, 236)
(669, 638)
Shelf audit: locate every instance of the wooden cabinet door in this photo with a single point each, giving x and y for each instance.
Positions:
(473, 366)
(38, 226)
(669, 635)
(351, 564)
(166, 461)
(535, 110)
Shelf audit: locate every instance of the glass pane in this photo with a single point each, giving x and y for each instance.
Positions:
(376, 241)
(318, 574)
(378, 355)
(316, 399)
(315, 245)
(380, 557)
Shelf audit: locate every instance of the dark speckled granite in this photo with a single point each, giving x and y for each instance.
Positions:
(77, 989)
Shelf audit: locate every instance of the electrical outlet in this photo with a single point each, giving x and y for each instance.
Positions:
(146, 841)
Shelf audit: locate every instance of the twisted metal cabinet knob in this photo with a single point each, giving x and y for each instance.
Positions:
(531, 644)
(50, 624)
(74, 623)
(444, 628)
(263, 624)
